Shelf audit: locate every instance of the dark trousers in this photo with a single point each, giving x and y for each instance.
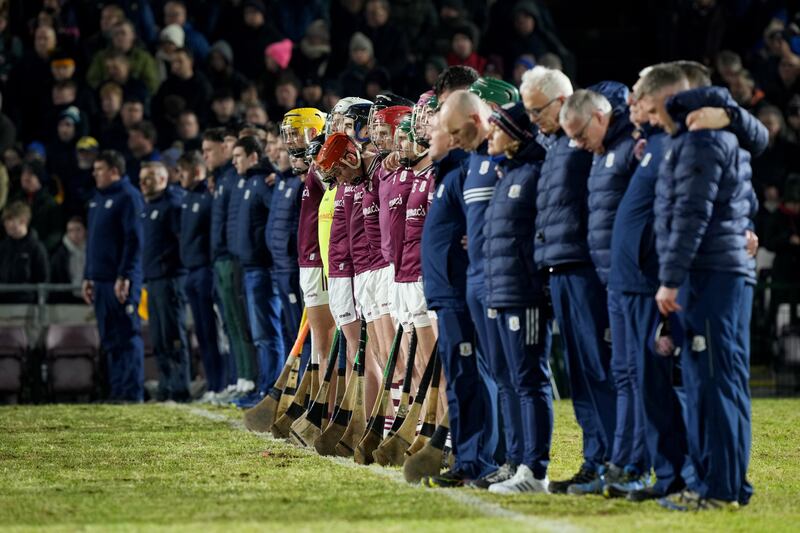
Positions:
(264, 312)
(467, 396)
(489, 344)
(661, 408)
(629, 448)
(198, 287)
(167, 317)
(580, 306)
(287, 286)
(230, 289)
(121, 339)
(526, 335)
(716, 370)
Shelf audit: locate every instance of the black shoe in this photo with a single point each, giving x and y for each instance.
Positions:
(449, 479)
(642, 495)
(584, 475)
(504, 473)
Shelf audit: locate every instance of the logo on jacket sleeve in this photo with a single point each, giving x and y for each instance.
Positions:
(465, 349)
(491, 313)
(484, 168)
(513, 323)
(514, 191)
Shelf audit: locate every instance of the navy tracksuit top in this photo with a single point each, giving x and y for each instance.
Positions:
(224, 177)
(284, 217)
(478, 189)
(114, 233)
(238, 187)
(253, 213)
(161, 220)
(444, 260)
(196, 227)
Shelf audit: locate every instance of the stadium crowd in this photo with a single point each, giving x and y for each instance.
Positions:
(266, 164)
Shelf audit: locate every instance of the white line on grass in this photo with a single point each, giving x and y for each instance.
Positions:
(459, 496)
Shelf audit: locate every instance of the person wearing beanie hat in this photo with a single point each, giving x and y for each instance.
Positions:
(280, 53)
(251, 38)
(174, 35)
(313, 54)
(220, 70)
(515, 294)
(360, 42)
(175, 14)
(463, 46)
(46, 213)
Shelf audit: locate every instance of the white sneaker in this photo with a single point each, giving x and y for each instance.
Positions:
(522, 482)
(208, 397)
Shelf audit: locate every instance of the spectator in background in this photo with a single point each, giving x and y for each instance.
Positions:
(23, 259)
(293, 18)
(524, 38)
(35, 65)
(773, 165)
(170, 39)
(277, 57)
(345, 21)
(250, 41)
(195, 250)
(311, 93)
(451, 17)
(46, 218)
(781, 235)
(419, 21)
(391, 48)
(5, 184)
(175, 14)
(256, 114)
(220, 71)
(163, 277)
(61, 161)
(287, 91)
(362, 61)
(463, 46)
(311, 59)
(8, 131)
(68, 261)
(107, 125)
(744, 91)
(141, 148)
(524, 63)
(727, 65)
(188, 131)
(10, 48)
(63, 68)
(787, 82)
(186, 83)
(79, 185)
(223, 110)
(143, 66)
(793, 118)
(110, 16)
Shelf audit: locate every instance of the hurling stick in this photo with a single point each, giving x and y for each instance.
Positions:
(391, 450)
(305, 430)
(260, 417)
(280, 429)
(428, 461)
(374, 433)
(326, 443)
(402, 409)
(358, 416)
(429, 420)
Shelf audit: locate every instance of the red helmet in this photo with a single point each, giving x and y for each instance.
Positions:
(338, 152)
(383, 136)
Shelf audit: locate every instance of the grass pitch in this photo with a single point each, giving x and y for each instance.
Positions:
(98, 467)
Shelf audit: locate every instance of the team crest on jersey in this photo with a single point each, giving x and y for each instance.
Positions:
(484, 167)
(699, 343)
(288, 192)
(610, 160)
(491, 313)
(195, 207)
(154, 214)
(109, 203)
(514, 191)
(440, 192)
(465, 349)
(513, 323)
(646, 159)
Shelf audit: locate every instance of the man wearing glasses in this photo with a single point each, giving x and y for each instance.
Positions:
(578, 295)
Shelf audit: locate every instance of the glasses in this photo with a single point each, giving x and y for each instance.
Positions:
(580, 136)
(536, 112)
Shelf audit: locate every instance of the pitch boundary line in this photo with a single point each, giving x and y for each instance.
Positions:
(459, 496)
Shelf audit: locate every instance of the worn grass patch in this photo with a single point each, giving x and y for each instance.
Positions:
(99, 467)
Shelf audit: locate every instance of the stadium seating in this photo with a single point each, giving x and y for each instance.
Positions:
(71, 355)
(13, 352)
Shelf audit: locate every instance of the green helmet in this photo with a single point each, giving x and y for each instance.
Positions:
(494, 91)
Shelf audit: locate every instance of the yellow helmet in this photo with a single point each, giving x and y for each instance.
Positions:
(299, 126)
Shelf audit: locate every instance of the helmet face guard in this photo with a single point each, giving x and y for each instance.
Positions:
(385, 123)
(404, 142)
(383, 101)
(339, 160)
(335, 123)
(299, 127)
(356, 121)
(421, 118)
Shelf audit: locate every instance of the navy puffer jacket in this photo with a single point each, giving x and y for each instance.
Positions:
(512, 279)
(703, 200)
(611, 172)
(284, 215)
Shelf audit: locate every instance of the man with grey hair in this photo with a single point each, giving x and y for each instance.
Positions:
(578, 296)
(598, 121)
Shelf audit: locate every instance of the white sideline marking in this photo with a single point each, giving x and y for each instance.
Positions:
(459, 496)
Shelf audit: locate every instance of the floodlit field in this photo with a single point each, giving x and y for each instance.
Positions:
(96, 467)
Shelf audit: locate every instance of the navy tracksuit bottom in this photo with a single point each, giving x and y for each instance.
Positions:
(467, 396)
(287, 286)
(199, 290)
(526, 334)
(580, 306)
(499, 389)
(167, 320)
(661, 408)
(264, 312)
(716, 367)
(121, 339)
